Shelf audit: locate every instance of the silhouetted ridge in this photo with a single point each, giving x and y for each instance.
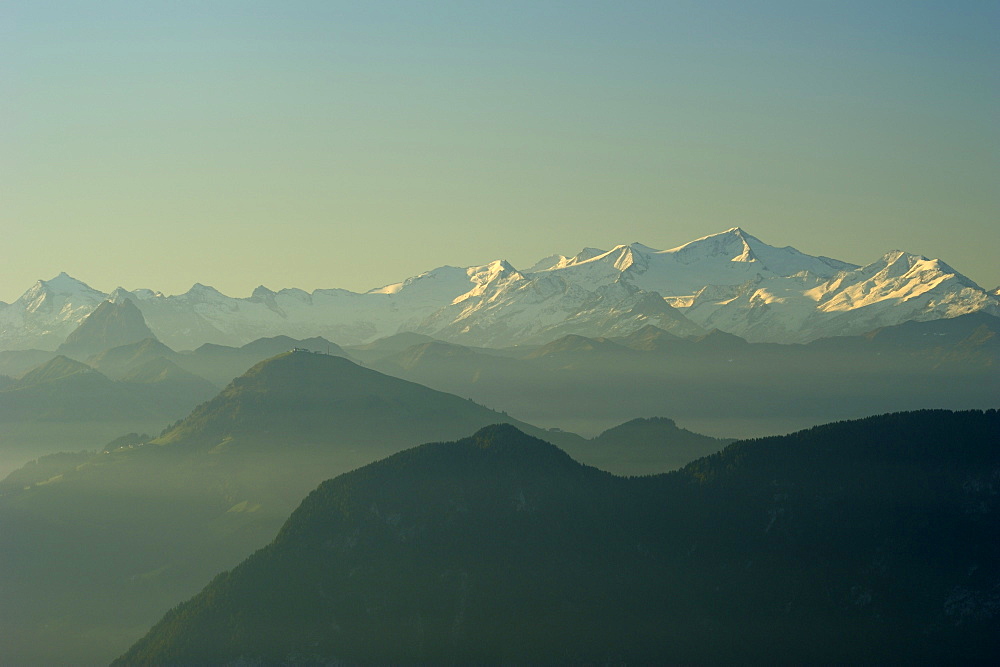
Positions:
(56, 369)
(865, 541)
(306, 398)
(111, 324)
(497, 458)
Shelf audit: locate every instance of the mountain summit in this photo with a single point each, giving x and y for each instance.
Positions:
(731, 281)
(313, 399)
(112, 324)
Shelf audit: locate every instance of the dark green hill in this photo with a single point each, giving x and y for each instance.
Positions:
(149, 522)
(172, 389)
(306, 398)
(647, 446)
(111, 324)
(861, 542)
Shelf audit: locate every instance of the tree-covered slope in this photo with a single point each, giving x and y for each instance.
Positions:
(149, 522)
(308, 398)
(871, 541)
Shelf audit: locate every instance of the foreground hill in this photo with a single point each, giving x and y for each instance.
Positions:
(866, 541)
(148, 522)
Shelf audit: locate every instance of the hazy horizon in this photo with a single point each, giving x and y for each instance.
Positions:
(247, 291)
(314, 145)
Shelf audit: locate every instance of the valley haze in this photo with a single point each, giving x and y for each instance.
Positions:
(566, 332)
(169, 438)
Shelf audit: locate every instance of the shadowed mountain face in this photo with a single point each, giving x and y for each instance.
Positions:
(220, 363)
(307, 398)
(141, 386)
(68, 391)
(112, 324)
(65, 404)
(122, 359)
(149, 522)
(867, 541)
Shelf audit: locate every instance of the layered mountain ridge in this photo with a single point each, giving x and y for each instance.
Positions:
(868, 541)
(730, 281)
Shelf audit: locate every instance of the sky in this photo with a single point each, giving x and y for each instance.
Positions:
(334, 144)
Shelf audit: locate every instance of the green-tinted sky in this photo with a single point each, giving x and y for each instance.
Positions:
(331, 144)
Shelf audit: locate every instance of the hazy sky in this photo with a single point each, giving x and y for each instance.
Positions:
(333, 144)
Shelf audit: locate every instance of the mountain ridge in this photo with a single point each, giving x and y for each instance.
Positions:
(730, 280)
(779, 548)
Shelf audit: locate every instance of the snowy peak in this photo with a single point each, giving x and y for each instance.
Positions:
(65, 284)
(730, 281)
(585, 255)
(897, 277)
(202, 293)
(736, 245)
(63, 287)
(560, 261)
(120, 294)
(733, 244)
(899, 264)
(198, 288)
(488, 273)
(442, 280)
(625, 257)
(490, 277)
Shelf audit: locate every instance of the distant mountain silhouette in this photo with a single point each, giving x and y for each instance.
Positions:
(151, 520)
(18, 362)
(866, 541)
(220, 363)
(719, 383)
(647, 446)
(382, 347)
(63, 390)
(299, 398)
(118, 361)
(111, 324)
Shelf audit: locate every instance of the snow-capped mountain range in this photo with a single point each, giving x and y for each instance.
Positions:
(730, 281)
